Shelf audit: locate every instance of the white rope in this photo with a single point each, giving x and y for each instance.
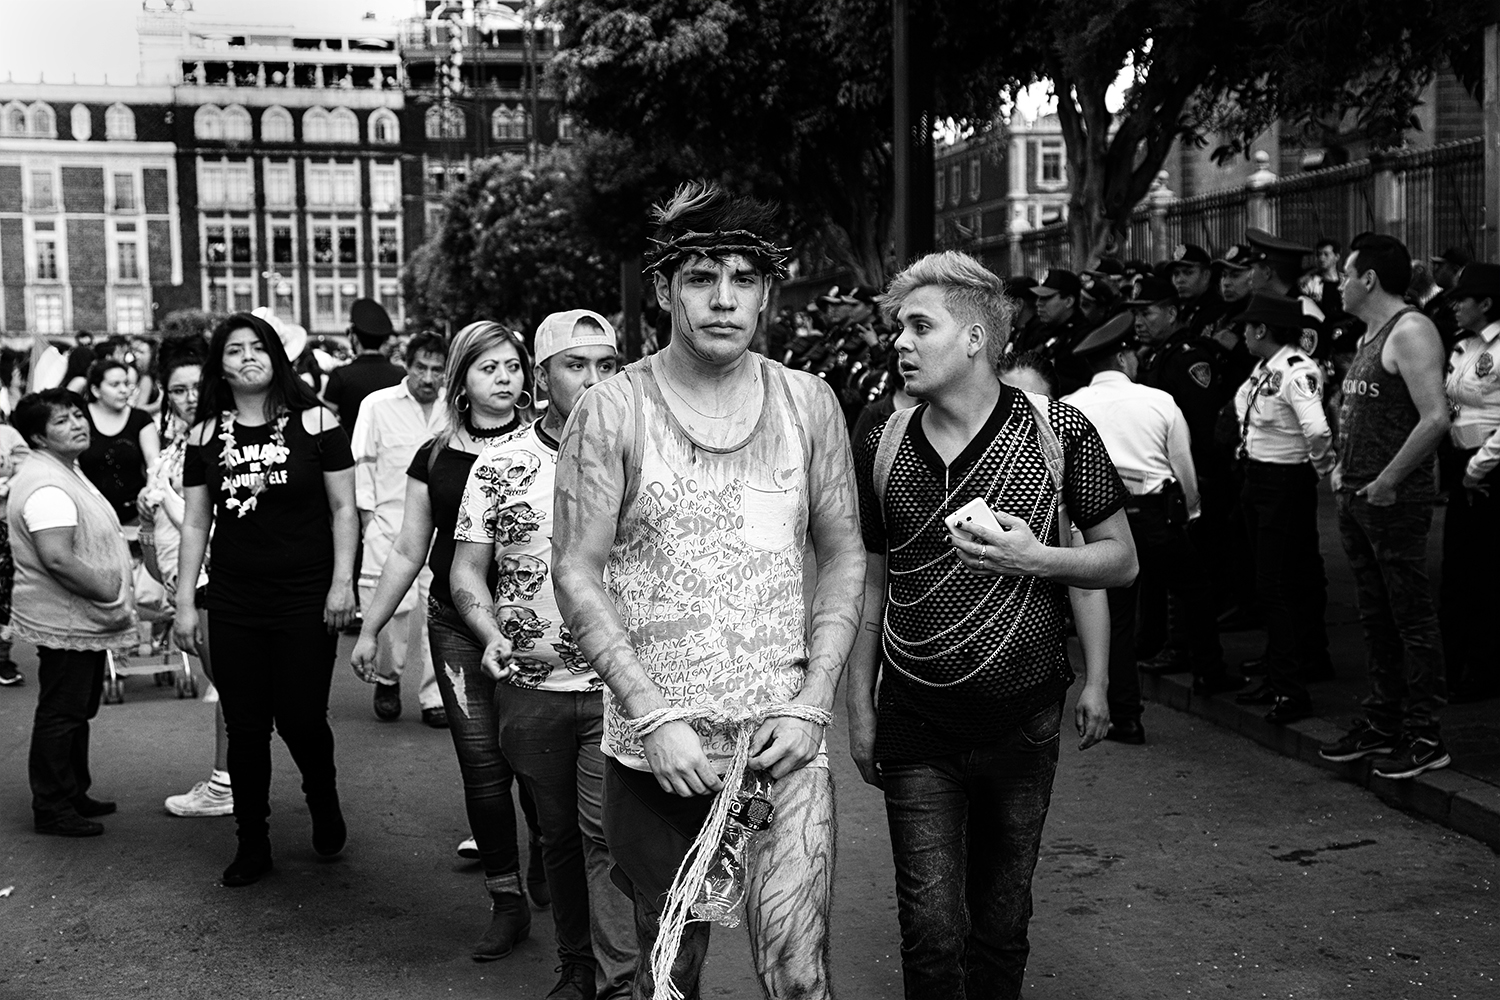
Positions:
(677, 912)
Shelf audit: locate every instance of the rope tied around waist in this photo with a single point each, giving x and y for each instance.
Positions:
(700, 856)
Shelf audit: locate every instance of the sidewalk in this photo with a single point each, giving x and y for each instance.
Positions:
(1464, 796)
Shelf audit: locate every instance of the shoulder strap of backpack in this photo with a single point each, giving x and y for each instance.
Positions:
(1052, 455)
(885, 453)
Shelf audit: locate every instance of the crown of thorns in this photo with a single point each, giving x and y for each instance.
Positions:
(716, 246)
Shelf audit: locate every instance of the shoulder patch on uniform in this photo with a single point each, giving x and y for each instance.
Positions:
(1306, 385)
(1309, 340)
(1203, 373)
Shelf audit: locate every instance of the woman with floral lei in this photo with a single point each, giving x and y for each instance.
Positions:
(270, 470)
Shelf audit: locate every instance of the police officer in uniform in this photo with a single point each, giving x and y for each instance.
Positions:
(1470, 596)
(1147, 439)
(1190, 370)
(1059, 298)
(1286, 447)
(1279, 272)
(1198, 303)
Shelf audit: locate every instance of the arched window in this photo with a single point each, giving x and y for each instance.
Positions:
(566, 130)
(276, 125)
(343, 126)
(445, 122)
(119, 122)
(13, 119)
(43, 121)
(83, 123)
(208, 123)
(508, 124)
(315, 126)
(236, 124)
(384, 128)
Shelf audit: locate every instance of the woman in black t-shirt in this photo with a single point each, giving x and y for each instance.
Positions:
(488, 396)
(123, 442)
(271, 471)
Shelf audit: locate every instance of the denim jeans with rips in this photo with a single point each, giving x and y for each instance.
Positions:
(1387, 549)
(965, 832)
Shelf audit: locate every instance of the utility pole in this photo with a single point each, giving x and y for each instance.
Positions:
(912, 94)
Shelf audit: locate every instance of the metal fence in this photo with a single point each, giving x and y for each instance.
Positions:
(1212, 220)
(1442, 196)
(1337, 203)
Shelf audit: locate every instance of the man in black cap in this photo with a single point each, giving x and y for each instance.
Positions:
(1193, 276)
(1236, 279)
(1147, 439)
(1021, 288)
(370, 370)
(1278, 272)
(1446, 269)
(1191, 370)
(1058, 298)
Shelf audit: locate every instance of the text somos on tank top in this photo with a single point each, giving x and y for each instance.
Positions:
(706, 568)
(1375, 419)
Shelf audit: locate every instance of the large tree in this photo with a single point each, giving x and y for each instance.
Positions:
(1198, 71)
(511, 248)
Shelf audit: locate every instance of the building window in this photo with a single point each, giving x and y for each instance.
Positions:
(323, 311)
(974, 170)
(13, 120)
(281, 191)
(215, 249)
(43, 121)
(1050, 166)
(83, 123)
(244, 297)
(322, 243)
(284, 299)
(46, 259)
(208, 123)
(218, 296)
(239, 185)
(119, 122)
(938, 187)
(236, 124)
(315, 126)
(319, 185)
(955, 185)
(444, 121)
(566, 130)
(281, 245)
(508, 124)
(348, 245)
(390, 297)
(385, 187)
(127, 261)
(210, 186)
(43, 194)
(387, 245)
(239, 244)
(346, 185)
(130, 313)
(124, 192)
(384, 128)
(343, 126)
(276, 125)
(49, 313)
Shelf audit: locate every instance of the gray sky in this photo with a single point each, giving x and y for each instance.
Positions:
(96, 38)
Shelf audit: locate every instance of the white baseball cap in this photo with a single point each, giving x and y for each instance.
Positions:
(560, 331)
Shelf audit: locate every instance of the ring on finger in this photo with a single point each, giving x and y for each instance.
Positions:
(983, 552)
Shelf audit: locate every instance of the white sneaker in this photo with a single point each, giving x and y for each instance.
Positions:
(204, 800)
(469, 849)
(212, 694)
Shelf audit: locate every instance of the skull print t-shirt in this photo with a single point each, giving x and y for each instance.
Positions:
(508, 503)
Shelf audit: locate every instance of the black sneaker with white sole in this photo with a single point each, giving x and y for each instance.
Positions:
(10, 675)
(1415, 755)
(1361, 740)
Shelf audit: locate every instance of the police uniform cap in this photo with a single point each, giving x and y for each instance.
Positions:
(1020, 286)
(1058, 282)
(1457, 256)
(1136, 266)
(1150, 288)
(1273, 310)
(1479, 281)
(1190, 253)
(1275, 247)
(1115, 335)
(1241, 256)
(1108, 267)
(370, 318)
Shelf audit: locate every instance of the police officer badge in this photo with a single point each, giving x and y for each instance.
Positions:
(1272, 384)
(1484, 365)
(1202, 373)
(1309, 340)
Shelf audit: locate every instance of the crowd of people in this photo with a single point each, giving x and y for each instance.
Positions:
(631, 591)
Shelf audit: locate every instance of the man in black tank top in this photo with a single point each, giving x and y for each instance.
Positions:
(1393, 416)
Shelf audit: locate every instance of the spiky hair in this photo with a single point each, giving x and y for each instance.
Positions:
(702, 219)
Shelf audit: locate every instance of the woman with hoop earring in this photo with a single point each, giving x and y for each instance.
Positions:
(488, 396)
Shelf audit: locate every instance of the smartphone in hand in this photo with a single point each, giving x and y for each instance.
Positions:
(976, 511)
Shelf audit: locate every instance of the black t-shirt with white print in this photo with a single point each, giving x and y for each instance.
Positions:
(967, 658)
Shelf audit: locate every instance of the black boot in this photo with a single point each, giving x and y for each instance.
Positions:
(510, 919)
(251, 861)
(329, 831)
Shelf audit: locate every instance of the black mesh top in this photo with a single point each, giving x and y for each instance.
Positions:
(967, 658)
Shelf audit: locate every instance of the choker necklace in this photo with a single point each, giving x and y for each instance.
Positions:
(485, 433)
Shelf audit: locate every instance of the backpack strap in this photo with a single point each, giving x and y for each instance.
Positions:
(885, 453)
(1052, 456)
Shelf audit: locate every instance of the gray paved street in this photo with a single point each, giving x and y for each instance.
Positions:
(1198, 865)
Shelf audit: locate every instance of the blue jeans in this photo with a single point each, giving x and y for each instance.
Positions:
(552, 740)
(474, 723)
(964, 912)
(1387, 549)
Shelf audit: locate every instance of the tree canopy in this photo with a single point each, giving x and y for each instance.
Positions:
(511, 248)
